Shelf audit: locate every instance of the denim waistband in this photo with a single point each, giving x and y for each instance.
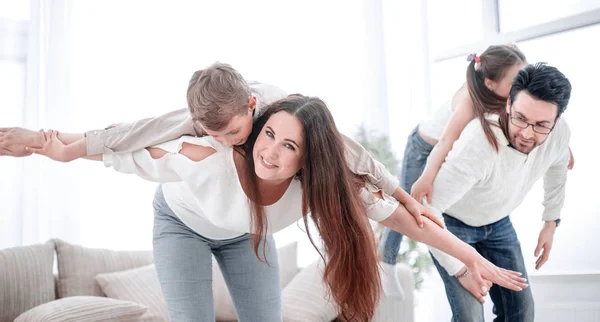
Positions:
(417, 139)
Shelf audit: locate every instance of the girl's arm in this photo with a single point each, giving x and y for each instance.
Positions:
(461, 116)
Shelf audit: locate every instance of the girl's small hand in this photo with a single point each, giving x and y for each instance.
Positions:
(571, 160)
(422, 188)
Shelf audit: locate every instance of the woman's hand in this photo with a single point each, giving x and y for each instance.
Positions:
(423, 187)
(53, 148)
(482, 273)
(417, 210)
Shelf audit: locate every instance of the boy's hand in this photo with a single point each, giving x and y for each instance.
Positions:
(52, 147)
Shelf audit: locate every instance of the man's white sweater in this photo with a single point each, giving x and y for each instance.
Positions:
(480, 186)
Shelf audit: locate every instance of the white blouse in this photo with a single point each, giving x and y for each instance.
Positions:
(207, 195)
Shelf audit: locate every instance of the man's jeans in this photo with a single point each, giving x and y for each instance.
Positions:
(499, 244)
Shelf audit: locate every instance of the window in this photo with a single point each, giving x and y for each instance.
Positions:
(518, 14)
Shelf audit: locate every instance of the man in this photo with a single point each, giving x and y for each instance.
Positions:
(478, 187)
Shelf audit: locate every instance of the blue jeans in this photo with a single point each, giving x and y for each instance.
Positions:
(184, 266)
(499, 244)
(413, 164)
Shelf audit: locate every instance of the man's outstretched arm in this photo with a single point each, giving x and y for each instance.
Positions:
(15, 140)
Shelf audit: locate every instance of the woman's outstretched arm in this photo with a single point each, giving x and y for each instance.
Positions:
(480, 270)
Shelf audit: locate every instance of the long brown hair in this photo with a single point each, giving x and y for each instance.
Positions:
(330, 195)
(493, 64)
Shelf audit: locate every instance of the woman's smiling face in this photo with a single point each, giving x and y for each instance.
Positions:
(279, 148)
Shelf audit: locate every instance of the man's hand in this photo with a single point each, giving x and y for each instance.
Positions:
(544, 243)
(13, 141)
(476, 286)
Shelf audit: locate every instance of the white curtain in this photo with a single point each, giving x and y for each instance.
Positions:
(94, 63)
(406, 68)
(48, 203)
(39, 201)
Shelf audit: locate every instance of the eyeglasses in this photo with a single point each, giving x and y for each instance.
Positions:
(522, 124)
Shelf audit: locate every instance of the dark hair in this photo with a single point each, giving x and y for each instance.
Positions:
(545, 83)
(493, 64)
(216, 94)
(331, 196)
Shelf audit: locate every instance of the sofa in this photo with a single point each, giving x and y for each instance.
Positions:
(89, 284)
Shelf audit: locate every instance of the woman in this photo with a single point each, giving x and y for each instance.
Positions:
(293, 159)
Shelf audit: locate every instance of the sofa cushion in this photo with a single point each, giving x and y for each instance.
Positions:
(78, 265)
(306, 297)
(139, 285)
(287, 257)
(26, 279)
(84, 309)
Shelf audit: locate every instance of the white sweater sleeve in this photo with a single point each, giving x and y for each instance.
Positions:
(143, 165)
(467, 163)
(555, 178)
(449, 263)
(172, 167)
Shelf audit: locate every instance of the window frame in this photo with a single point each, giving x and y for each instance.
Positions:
(492, 34)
